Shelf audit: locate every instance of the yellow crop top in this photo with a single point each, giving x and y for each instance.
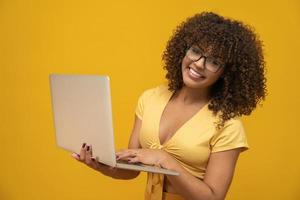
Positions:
(192, 143)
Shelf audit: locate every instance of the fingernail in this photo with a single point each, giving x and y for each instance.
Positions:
(88, 148)
(83, 145)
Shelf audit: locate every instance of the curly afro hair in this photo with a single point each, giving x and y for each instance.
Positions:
(243, 84)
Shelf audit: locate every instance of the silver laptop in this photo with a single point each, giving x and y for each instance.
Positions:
(82, 113)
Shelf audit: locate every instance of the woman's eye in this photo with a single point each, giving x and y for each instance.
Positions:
(196, 50)
(215, 63)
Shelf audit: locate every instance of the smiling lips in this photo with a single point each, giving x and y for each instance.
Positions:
(195, 74)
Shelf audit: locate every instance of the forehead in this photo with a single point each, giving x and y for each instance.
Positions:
(206, 49)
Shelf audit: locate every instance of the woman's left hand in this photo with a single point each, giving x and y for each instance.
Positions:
(145, 156)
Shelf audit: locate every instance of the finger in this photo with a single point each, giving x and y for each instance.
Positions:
(120, 152)
(83, 152)
(88, 154)
(76, 156)
(93, 163)
(134, 160)
(126, 155)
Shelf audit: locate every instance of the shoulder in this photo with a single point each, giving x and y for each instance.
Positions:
(154, 92)
(233, 129)
(234, 124)
(231, 126)
(231, 136)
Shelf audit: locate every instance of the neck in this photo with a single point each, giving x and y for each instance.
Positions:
(190, 96)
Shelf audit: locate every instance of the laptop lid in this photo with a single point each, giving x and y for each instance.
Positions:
(82, 112)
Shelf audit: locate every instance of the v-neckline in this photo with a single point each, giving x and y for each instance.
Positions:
(166, 100)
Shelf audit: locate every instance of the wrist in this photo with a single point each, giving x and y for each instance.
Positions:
(166, 160)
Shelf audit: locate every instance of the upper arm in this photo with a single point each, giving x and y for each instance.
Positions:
(220, 171)
(134, 142)
(143, 99)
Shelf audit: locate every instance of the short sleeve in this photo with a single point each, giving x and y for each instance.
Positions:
(231, 136)
(143, 99)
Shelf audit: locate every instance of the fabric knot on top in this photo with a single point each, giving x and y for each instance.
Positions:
(156, 146)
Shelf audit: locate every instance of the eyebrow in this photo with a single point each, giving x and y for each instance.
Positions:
(214, 56)
(195, 45)
(217, 58)
(198, 48)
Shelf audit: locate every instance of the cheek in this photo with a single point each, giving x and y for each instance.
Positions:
(185, 63)
(213, 78)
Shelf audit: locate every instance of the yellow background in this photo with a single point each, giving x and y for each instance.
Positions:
(125, 40)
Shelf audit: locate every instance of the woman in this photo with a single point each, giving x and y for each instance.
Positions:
(215, 72)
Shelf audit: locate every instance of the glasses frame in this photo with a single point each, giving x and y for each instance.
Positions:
(201, 56)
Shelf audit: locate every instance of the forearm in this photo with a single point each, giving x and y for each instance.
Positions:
(119, 173)
(186, 184)
(125, 174)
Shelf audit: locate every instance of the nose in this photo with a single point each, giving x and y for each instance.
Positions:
(200, 63)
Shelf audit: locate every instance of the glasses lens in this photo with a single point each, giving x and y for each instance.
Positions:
(194, 53)
(212, 64)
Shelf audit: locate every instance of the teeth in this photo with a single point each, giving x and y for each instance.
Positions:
(195, 73)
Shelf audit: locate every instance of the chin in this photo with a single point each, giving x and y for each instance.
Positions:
(193, 82)
(193, 85)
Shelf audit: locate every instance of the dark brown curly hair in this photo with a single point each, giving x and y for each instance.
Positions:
(243, 84)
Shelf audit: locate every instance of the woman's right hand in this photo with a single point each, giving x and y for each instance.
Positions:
(86, 157)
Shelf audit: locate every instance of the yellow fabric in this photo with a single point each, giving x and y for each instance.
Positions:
(192, 143)
(154, 189)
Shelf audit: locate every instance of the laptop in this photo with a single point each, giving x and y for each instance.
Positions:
(82, 112)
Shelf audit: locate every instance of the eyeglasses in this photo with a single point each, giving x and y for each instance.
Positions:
(195, 53)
